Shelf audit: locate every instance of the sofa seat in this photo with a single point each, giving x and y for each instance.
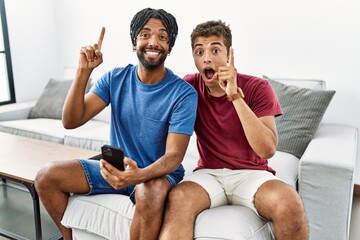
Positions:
(208, 226)
(106, 216)
(39, 128)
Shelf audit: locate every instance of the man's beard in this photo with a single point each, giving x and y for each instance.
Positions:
(151, 64)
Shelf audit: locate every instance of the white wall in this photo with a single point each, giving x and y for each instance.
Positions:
(33, 46)
(300, 39)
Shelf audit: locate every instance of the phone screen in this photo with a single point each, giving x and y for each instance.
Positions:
(114, 156)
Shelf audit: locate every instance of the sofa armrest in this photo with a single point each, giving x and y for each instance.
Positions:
(16, 111)
(326, 180)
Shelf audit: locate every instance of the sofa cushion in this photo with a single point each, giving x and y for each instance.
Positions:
(104, 115)
(50, 130)
(303, 110)
(78, 234)
(106, 215)
(51, 101)
(286, 166)
(89, 137)
(316, 84)
(16, 111)
(191, 156)
(237, 222)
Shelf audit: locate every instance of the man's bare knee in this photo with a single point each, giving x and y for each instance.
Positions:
(67, 176)
(281, 204)
(189, 196)
(152, 193)
(45, 178)
(278, 200)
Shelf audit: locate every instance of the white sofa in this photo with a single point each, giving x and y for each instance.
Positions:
(323, 175)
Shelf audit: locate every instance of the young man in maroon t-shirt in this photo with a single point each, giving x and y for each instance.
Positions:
(236, 134)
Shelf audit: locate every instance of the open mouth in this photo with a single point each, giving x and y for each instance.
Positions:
(209, 73)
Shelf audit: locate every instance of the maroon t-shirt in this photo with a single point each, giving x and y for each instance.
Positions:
(221, 139)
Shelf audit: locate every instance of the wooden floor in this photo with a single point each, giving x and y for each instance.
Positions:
(17, 214)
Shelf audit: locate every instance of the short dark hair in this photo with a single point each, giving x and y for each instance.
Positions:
(143, 16)
(212, 28)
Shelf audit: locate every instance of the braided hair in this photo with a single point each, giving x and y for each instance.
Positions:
(142, 17)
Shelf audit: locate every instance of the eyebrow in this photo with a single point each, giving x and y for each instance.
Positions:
(212, 44)
(149, 29)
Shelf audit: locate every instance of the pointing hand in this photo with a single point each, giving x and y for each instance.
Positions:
(91, 56)
(227, 75)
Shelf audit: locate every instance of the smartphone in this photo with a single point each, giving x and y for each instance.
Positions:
(114, 156)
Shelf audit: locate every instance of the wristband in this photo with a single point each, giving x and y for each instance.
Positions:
(237, 95)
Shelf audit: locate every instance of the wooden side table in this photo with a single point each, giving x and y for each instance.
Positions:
(20, 160)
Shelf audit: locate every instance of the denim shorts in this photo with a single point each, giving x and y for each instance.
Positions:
(98, 185)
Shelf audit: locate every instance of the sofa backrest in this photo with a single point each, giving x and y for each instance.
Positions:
(304, 83)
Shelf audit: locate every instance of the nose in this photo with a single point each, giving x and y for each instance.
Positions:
(153, 40)
(207, 58)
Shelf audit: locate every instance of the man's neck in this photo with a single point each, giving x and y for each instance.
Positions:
(151, 76)
(215, 91)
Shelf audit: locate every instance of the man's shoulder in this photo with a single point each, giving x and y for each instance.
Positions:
(191, 77)
(245, 80)
(118, 73)
(187, 87)
(128, 67)
(184, 82)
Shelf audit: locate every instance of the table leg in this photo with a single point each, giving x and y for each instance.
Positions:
(3, 180)
(36, 204)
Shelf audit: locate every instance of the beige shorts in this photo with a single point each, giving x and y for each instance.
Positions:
(231, 187)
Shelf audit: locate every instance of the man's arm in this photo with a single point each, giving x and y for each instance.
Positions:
(260, 132)
(78, 109)
(176, 145)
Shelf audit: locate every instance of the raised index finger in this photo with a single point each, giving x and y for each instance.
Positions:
(231, 57)
(101, 37)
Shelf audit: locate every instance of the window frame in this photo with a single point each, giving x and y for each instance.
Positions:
(6, 51)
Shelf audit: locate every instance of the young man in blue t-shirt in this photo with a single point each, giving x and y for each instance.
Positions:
(152, 117)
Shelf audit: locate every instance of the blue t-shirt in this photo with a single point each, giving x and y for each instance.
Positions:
(143, 114)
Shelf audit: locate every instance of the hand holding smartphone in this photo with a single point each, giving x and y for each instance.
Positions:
(114, 156)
